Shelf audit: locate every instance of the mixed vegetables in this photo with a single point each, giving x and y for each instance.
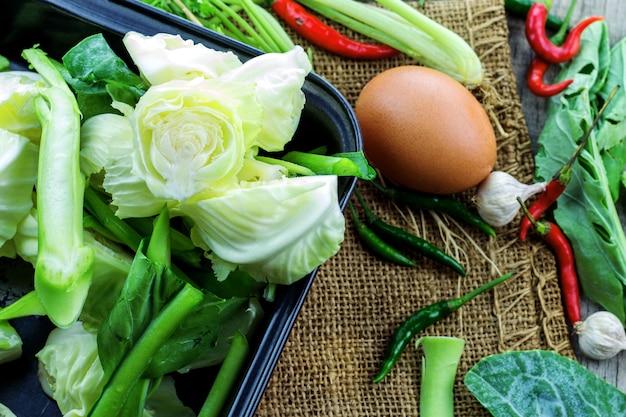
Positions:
(167, 194)
(154, 230)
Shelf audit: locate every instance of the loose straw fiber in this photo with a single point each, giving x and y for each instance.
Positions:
(357, 300)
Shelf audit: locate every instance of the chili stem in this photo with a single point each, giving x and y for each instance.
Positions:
(559, 37)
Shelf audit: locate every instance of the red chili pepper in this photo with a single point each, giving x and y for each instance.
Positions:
(554, 236)
(534, 79)
(319, 33)
(556, 186)
(541, 43)
(568, 278)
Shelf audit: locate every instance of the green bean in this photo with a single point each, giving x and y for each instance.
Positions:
(400, 236)
(376, 244)
(438, 203)
(424, 318)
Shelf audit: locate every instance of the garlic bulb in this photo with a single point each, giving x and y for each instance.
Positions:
(601, 335)
(496, 198)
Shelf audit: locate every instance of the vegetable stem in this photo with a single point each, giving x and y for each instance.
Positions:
(64, 264)
(130, 370)
(439, 367)
(226, 377)
(404, 28)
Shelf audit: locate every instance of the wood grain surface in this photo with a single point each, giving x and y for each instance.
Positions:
(614, 11)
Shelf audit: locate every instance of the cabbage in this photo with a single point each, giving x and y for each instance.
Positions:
(70, 371)
(10, 343)
(18, 173)
(277, 231)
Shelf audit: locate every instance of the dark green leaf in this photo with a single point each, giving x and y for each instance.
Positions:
(196, 335)
(585, 211)
(541, 383)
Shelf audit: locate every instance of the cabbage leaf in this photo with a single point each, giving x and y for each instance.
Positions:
(541, 384)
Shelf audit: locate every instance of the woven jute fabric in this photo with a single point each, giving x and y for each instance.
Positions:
(358, 300)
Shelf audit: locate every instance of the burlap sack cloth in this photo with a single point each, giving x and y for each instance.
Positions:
(357, 300)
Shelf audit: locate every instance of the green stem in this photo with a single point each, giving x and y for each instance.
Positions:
(226, 377)
(101, 211)
(262, 29)
(489, 285)
(275, 30)
(559, 37)
(130, 370)
(238, 21)
(439, 367)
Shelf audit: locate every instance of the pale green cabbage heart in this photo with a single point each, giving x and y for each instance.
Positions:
(276, 231)
(190, 136)
(18, 174)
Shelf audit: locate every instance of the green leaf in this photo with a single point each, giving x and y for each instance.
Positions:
(196, 335)
(541, 383)
(585, 211)
(152, 305)
(92, 68)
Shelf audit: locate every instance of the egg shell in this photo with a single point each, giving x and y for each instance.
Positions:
(425, 131)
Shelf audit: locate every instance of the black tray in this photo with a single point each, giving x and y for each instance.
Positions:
(327, 119)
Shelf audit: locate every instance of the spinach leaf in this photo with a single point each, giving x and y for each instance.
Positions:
(612, 126)
(585, 211)
(97, 85)
(541, 383)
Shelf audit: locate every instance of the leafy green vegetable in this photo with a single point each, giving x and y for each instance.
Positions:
(541, 383)
(586, 211)
(64, 264)
(4, 63)
(244, 20)
(152, 305)
(99, 76)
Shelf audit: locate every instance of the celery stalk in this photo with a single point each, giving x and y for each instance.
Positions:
(439, 367)
(63, 268)
(406, 29)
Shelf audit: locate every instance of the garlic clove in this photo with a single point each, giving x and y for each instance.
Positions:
(496, 197)
(601, 336)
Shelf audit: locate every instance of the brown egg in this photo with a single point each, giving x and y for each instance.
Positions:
(425, 131)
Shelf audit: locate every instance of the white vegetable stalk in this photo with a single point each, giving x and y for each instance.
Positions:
(64, 264)
(601, 336)
(496, 198)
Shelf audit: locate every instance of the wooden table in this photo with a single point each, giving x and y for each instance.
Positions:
(614, 11)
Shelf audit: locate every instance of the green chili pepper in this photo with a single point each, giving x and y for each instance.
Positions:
(521, 7)
(400, 236)
(443, 204)
(423, 318)
(376, 244)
